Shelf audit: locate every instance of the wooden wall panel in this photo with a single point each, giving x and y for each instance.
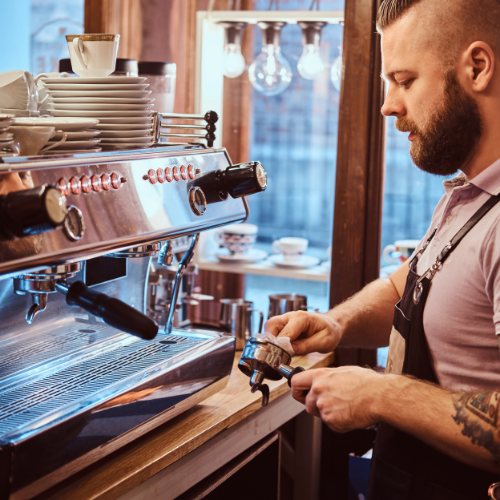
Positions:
(359, 183)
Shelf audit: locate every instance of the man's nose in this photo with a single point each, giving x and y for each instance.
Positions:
(393, 104)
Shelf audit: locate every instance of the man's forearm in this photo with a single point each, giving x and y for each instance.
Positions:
(366, 318)
(463, 426)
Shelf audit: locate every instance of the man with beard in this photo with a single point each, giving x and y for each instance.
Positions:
(438, 406)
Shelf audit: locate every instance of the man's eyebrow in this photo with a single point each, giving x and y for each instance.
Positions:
(392, 74)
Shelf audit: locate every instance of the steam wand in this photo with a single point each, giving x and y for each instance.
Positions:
(186, 259)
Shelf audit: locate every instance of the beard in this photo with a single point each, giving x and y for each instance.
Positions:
(450, 138)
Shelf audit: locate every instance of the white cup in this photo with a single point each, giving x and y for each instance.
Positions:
(93, 55)
(400, 251)
(291, 248)
(238, 238)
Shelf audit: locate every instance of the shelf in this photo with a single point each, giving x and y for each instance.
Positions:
(265, 268)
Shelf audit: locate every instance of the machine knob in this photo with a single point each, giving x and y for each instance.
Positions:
(32, 211)
(244, 179)
(197, 201)
(238, 180)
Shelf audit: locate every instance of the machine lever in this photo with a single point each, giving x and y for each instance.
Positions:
(112, 311)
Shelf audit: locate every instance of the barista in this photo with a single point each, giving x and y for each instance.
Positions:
(438, 407)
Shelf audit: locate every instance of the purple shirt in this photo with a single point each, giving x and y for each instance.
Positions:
(462, 313)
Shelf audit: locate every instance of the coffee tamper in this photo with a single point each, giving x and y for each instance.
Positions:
(262, 359)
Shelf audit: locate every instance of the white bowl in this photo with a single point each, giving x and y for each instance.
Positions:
(15, 89)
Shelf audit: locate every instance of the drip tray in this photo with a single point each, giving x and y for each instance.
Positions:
(45, 379)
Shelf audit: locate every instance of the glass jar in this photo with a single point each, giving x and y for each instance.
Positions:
(161, 77)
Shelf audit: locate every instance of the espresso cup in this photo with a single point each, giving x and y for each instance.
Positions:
(93, 55)
(238, 238)
(400, 251)
(291, 248)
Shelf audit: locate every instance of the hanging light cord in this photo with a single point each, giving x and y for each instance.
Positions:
(274, 2)
(315, 2)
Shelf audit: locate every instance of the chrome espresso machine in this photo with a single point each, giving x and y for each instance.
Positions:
(83, 368)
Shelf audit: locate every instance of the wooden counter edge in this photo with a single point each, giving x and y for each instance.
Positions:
(146, 456)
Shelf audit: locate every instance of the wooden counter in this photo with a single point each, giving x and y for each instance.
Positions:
(233, 416)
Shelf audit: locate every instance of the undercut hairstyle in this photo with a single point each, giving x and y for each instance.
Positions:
(454, 24)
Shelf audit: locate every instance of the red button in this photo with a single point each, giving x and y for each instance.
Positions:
(96, 183)
(191, 171)
(116, 180)
(168, 174)
(153, 177)
(106, 182)
(86, 184)
(184, 173)
(160, 173)
(63, 186)
(177, 174)
(74, 185)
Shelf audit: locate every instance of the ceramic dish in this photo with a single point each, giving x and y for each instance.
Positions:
(104, 80)
(99, 100)
(137, 140)
(99, 114)
(129, 120)
(127, 125)
(64, 124)
(125, 145)
(109, 134)
(15, 89)
(305, 262)
(80, 87)
(129, 94)
(76, 144)
(78, 136)
(253, 255)
(98, 106)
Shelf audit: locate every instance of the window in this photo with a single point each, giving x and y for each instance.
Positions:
(33, 33)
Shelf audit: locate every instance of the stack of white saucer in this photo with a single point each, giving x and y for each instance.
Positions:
(120, 104)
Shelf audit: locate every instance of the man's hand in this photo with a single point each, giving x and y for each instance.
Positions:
(308, 332)
(343, 397)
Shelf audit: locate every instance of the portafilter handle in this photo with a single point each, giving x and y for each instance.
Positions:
(112, 311)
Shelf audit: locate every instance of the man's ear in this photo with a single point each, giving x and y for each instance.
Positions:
(479, 66)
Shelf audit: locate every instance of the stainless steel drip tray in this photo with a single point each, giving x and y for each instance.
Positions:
(44, 380)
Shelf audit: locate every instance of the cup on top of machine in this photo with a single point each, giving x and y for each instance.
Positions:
(291, 248)
(93, 55)
(238, 238)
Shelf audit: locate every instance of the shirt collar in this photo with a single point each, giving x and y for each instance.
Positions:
(488, 180)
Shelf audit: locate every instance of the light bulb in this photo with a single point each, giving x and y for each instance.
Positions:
(336, 72)
(234, 62)
(310, 64)
(270, 73)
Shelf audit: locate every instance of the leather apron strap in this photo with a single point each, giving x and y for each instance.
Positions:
(403, 467)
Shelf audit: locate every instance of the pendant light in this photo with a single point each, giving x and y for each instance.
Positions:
(270, 73)
(310, 64)
(336, 71)
(234, 62)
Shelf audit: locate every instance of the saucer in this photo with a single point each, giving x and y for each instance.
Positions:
(98, 80)
(305, 262)
(253, 255)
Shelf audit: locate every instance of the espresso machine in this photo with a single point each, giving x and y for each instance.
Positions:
(89, 359)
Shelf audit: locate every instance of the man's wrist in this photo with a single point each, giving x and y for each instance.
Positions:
(388, 390)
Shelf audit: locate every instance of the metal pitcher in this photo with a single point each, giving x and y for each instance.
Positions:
(287, 302)
(236, 318)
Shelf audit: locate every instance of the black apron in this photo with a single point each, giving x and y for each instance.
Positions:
(403, 467)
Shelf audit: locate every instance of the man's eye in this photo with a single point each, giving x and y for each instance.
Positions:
(406, 84)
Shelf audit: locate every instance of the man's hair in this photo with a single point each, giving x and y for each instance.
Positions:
(391, 10)
(454, 22)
